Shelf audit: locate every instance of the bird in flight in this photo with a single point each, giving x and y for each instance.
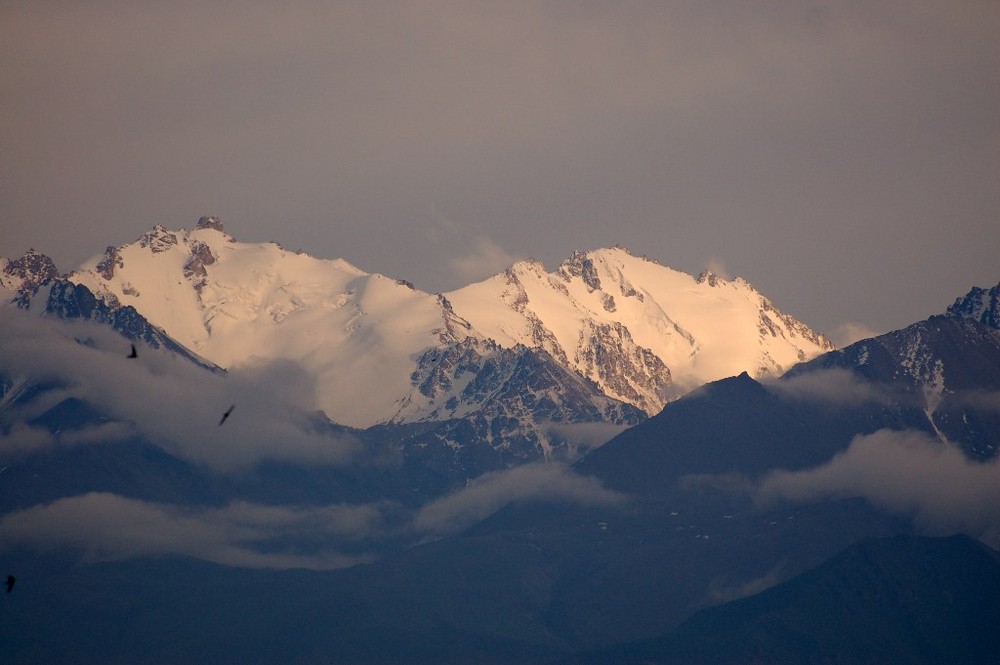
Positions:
(133, 354)
(226, 414)
(10, 583)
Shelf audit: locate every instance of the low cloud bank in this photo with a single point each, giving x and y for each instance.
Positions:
(178, 406)
(106, 526)
(111, 527)
(838, 387)
(490, 492)
(172, 402)
(907, 473)
(22, 439)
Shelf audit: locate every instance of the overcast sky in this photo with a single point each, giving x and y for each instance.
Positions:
(844, 157)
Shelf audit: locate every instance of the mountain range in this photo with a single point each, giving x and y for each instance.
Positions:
(506, 363)
(642, 333)
(609, 462)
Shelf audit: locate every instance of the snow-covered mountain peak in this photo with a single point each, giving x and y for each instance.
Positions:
(644, 332)
(158, 239)
(356, 334)
(589, 266)
(377, 349)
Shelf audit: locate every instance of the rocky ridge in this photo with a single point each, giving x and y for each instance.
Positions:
(25, 274)
(982, 305)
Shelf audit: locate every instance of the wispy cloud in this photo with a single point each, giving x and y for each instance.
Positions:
(104, 526)
(485, 259)
(492, 491)
(981, 400)
(718, 267)
(578, 438)
(850, 332)
(721, 590)
(836, 387)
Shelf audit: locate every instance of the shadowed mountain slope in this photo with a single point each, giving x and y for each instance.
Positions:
(900, 600)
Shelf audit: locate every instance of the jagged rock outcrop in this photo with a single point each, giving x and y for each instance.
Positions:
(25, 274)
(210, 222)
(194, 268)
(106, 266)
(507, 399)
(158, 240)
(582, 266)
(608, 355)
(979, 304)
(454, 327)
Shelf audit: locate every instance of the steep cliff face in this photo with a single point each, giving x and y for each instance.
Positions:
(513, 392)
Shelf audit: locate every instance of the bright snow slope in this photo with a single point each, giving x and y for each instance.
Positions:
(644, 332)
(600, 310)
(354, 334)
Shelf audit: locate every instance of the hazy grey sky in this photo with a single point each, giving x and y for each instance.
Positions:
(844, 157)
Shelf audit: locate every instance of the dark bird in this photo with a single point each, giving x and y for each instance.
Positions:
(133, 354)
(11, 580)
(226, 414)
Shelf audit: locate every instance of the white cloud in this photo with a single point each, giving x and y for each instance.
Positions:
(490, 492)
(907, 473)
(111, 527)
(836, 386)
(167, 399)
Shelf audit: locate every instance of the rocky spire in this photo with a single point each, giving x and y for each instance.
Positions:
(210, 222)
(28, 272)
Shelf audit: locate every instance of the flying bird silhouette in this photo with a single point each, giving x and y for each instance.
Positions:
(133, 354)
(226, 414)
(11, 580)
